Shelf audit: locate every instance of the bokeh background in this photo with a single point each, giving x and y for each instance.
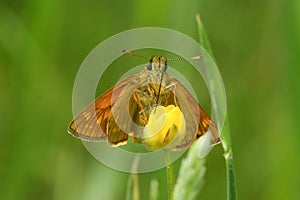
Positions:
(42, 44)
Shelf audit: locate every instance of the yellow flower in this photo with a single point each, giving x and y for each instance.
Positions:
(165, 127)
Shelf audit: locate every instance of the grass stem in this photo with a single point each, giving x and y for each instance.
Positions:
(170, 175)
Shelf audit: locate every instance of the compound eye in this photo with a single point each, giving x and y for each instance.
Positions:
(149, 66)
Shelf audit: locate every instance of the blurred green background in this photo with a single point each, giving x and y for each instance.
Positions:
(42, 44)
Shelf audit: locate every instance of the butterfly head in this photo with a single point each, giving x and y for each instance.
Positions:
(156, 66)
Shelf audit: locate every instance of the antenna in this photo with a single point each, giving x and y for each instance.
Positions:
(169, 59)
(180, 58)
(133, 54)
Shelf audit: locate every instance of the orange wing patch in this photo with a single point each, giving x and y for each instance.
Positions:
(198, 121)
(96, 122)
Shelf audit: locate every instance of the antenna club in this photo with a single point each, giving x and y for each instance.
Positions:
(197, 57)
(126, 51)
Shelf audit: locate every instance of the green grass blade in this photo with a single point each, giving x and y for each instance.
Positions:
(203, 38)
(225, 136)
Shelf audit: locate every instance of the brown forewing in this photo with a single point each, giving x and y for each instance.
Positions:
(96, 122)
(197, 120)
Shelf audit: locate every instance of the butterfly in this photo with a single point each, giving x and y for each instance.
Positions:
(124, 109)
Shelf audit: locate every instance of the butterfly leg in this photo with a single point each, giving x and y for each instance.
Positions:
(172, 88)
(151, 95)
(140, 105)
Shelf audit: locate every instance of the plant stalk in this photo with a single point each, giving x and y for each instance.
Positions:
(170, 174)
